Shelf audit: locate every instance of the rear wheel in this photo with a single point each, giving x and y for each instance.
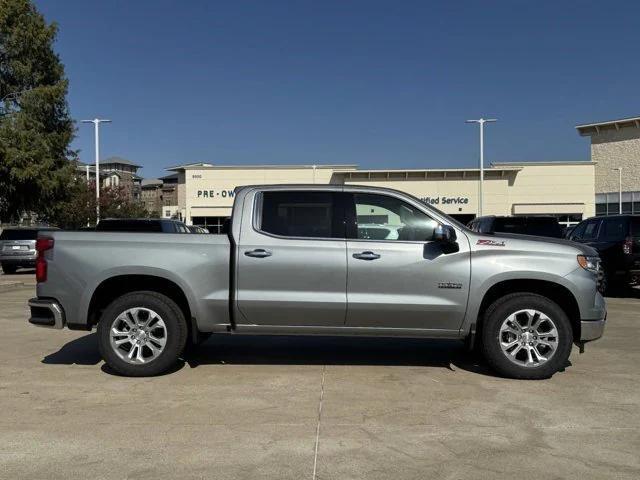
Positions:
(526, 336)
(142, 334)
(9, 269)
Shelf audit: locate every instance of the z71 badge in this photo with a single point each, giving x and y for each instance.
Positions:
(454, 285)
(490, 243)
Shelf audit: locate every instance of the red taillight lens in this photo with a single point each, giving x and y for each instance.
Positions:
(627, 247)
(42, 245)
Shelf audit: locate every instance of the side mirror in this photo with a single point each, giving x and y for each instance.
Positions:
(444, 234)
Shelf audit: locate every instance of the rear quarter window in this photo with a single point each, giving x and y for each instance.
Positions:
(21, 234)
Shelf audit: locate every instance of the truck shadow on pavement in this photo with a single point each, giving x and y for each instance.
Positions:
(299, 350)
(81, 351)
(316, 350)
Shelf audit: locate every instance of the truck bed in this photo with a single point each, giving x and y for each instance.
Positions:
(81, 261)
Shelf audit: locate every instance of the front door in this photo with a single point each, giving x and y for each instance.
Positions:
(397, 276)
(292, 268)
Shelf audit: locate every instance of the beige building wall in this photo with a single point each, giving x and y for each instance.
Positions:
(509, 188)
(612, 149)
(453, 192)
(209, 190)
(554, 188)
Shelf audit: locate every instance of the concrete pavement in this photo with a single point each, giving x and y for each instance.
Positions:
(247, 407)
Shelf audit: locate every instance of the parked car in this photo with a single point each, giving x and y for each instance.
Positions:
(196, 229)
(155, 225)
(282, 269)
(541, 226)
(617, 240)
(18, 247)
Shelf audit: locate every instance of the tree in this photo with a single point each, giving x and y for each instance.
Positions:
(80, 207)
(35, 127)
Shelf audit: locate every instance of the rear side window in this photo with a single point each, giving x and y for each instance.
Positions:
(21, 234)
(614, 229)
(301, 214)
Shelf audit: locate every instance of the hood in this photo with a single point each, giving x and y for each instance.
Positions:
(539, 241)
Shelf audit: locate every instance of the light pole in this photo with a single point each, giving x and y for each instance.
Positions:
(96, 125)
(619, 169)
(481, 122)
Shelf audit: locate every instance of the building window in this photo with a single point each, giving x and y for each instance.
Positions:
(213, 224)
(609, 203)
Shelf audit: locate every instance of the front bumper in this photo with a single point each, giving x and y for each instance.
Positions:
(46, 313)
(591, 329)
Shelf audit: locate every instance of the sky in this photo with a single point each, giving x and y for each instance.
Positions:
(380, 84)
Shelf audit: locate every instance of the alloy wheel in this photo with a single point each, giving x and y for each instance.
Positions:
(138, 335)
(528, 338)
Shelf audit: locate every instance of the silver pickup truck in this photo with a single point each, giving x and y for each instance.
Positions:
(306, 260)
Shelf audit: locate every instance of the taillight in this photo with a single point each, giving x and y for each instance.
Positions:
(42, 245)
(627, 246)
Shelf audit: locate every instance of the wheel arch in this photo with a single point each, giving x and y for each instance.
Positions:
(114, 287)
(555, 292)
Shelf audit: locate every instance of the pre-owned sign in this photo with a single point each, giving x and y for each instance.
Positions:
(215, 193)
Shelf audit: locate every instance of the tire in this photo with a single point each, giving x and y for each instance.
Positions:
(9, 269)
(515, 362)
(144, 350)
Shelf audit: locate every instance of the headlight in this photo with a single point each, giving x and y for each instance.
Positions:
(591, 264)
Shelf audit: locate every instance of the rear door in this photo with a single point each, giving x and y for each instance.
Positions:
(404, 280)
(292, 268)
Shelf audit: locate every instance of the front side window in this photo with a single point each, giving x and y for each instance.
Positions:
(381, 217)
(591, 230)
(301, 214)
(614, 229)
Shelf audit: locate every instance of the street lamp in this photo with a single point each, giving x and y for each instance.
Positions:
(96, 124)
(619, 169)
(481, 122)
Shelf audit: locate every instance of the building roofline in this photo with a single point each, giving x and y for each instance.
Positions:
(587, 129)
(209, 166)
(433, 170)
(524, 164)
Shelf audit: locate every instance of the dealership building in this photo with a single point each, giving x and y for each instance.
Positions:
(565, 190)
(615, 149)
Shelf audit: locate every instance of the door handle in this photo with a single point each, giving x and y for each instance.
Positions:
(366, 256)
(258, 253)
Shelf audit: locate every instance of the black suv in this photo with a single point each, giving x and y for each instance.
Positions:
(157, 225)
(617, 240)
(542, 226)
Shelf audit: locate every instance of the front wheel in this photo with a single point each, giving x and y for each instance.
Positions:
(526, 336)
(142, 334)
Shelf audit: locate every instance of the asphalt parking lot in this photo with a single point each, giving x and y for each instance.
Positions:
(249, 407)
